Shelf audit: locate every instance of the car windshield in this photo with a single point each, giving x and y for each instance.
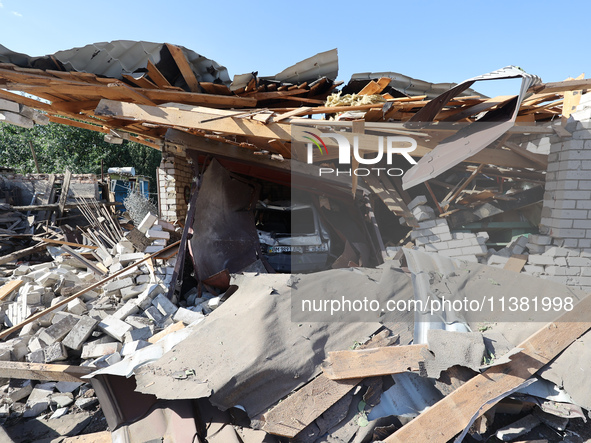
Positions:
(296, 222)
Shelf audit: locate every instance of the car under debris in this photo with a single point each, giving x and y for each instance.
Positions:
(292, 236)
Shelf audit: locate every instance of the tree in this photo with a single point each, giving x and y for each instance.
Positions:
(58, 147)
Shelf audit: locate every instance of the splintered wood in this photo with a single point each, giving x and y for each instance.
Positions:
(452, 414)
(304, 406)
(344, 365)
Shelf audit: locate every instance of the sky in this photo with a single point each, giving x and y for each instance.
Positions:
(435, 41)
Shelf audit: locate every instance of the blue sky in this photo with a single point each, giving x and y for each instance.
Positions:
(432, 40)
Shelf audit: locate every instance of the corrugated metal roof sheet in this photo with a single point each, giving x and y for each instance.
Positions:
(113, 59)
(412, 86)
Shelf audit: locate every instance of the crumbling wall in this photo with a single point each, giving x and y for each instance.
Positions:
(174, 175)
(434, 235)
(566, 216)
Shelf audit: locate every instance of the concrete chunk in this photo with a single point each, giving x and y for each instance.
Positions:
(37, 356)
(132, 291)
(92, 350)
(38, 401)
(138, 322)
(35, 344)
(147, 223)
(152, 234)
(55, 352)
(417, 201)
(58, 331)
(19, 389)
(117, 285)
(47, 279)
(77, 307)
(164, 305)
(114, 327)
(80, 333)
(139, 334)
(129, 308)
(61, 400)
(144, 300)
(127, 258)
(67, 386)
(154, 314)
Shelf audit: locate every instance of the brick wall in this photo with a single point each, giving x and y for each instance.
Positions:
(566, 216)
(174, 174)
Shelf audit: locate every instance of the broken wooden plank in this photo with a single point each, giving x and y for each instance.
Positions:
(79, 258)
(571, 100)
(168, 330)
(64, 193)
(294, 113)
(452, 414)
(67, 243)
(281, 147)
(44, 372)
(140, 81)
(156, 76)
(540, 160)
(515, 263)
(183, 64)
(375, 87)
(8, 288)
(363, 363)
(22, 253)
(569, 85)
(301, 408)
(463, 186)
(432, 194)
(177, 117)
(67, 300)
(391, 199)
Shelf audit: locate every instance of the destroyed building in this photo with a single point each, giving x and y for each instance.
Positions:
(187, 322)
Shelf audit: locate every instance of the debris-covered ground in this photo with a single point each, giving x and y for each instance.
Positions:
(267, 300)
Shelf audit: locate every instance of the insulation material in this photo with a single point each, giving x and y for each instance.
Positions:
(352, 99)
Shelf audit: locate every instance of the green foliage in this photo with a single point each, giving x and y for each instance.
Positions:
(59, 147)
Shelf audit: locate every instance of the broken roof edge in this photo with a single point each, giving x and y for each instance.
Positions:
(323, 64)
(412, 86)
(116, 58)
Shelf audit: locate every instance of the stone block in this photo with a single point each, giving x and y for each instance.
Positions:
(58, 331)
(55, 352)
(132, 291)
(77, 307)
(417, 201)
(114, 327)
(95, 350)
(164, 305)
(80, 333)
(117, 285)
(534, 259)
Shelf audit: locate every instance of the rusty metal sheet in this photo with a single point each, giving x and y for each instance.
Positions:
(469, 139)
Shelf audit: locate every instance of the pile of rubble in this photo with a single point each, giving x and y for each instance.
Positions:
(465, 321)
(108, 315)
